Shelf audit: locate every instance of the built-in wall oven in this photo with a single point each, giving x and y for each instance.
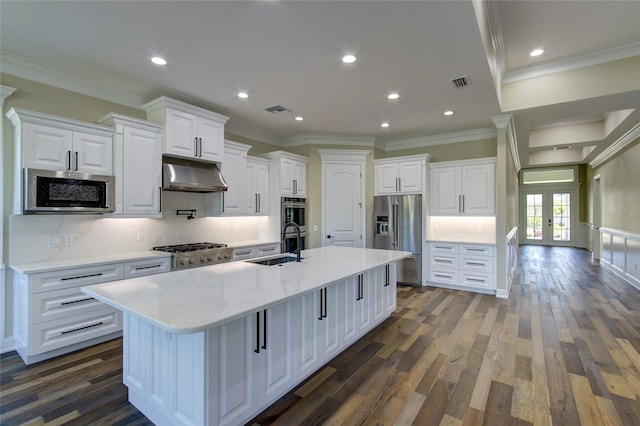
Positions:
(293, 210)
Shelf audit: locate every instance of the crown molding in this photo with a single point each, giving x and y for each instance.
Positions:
(495, 30)
(610, 54)
(41, 73)
(343, 155)
(325, 139)
(447, 138)
(5, 92)
(617, 146)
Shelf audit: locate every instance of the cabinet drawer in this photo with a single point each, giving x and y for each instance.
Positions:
(244, 253)
(476, 250)
(75, 277)
(443, 261)
(448, 276)
(476, 263)
(269, 249)
(52, 305)
(477, 279)
(141, 268)
(443, 248)
(63, 332)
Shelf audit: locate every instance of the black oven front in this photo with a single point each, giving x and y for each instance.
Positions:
(290, 243)
(294, 210)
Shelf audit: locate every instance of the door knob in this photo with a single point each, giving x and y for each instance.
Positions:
(328, 236)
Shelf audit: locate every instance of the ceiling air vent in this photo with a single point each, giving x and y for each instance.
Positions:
(276, 109)
(460, 81)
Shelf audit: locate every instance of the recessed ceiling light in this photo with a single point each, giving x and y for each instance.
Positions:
(348, 59)
(536, 52)
(158, 60)
(243, 95)
(299, 118)
(385, 124)
(393, 96)
(448, 113)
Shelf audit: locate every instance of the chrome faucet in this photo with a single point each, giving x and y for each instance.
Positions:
(284, 234)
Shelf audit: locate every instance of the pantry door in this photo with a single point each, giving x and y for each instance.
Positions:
(550, 217)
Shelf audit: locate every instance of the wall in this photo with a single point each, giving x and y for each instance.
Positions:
(620, 189)
(451, 151)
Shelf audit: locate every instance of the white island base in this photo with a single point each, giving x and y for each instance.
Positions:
(229, 373)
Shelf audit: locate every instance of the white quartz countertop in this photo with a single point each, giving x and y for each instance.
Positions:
(194, 300)
(32, 268)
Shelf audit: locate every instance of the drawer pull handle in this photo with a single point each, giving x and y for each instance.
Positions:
(76, 301)
(472, 249)
(443, 260)
(477, 280)
(476, 263)
(82, 328)
(140, 268)
(443, 247)
(442, 276)
(242, 253)
(269, 249)
(81, 276)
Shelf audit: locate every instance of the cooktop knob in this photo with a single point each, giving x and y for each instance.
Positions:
(209, 259)
(192, 261)
(184, 262)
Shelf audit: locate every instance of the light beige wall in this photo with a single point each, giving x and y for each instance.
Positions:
(620, 189)
(257, 148)
(512, 190)
(449, 152)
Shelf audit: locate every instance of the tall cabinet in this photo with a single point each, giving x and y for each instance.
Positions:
(138, 165)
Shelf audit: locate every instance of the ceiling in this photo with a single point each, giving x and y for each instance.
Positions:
(289, 53)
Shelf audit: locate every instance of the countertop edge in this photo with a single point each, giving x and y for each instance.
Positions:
(57, 265)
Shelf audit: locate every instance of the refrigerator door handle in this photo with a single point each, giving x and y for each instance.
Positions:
(396, 211)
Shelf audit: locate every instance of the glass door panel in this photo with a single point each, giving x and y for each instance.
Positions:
(561, 216)
(534, 216)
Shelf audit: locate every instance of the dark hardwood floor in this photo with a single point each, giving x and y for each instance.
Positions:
(564, 349)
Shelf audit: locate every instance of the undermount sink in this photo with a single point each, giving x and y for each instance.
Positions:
(275, 260)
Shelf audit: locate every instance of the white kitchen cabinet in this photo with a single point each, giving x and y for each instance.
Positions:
(138, 166)
(463, 188)
(48, 142)
(258, 250)
(234, 171)
(462, 265)
(257, 187)
(401, 175)
(53, 317)
(288, 174)
(190, 132)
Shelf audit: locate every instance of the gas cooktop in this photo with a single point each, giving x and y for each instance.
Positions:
(197, 254)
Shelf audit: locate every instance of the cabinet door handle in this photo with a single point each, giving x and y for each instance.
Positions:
(463, 204)
(200, 139)
(321, 306)
(459, 203)
(222, 210)
(257, 208)
(76, 161)
(159, 199)
(69, 160)
(195, 147)
(325, 303)
(399, 184)
(257, 349)
(259, 203)
(360, 288)
(264, 329)
(387, 279)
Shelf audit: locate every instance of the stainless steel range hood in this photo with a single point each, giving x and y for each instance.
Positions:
(191, 176)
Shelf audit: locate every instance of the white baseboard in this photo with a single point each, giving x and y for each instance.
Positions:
(503, 294)
(7, 345)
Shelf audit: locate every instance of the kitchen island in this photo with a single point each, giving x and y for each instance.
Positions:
(218, 344)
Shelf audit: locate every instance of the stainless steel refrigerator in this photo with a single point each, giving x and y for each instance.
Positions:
(398, 222)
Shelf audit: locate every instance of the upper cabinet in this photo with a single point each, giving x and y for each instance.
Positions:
(291, 172)
(401, 175)
(137, 165)
(463, 188)
(248, 181)
(55, 143)
(190, 132)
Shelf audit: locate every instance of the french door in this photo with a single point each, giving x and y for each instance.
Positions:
(549, 216)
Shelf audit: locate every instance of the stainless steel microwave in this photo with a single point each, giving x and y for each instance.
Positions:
(49, 191)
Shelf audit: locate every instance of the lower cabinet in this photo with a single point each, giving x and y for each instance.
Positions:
(229, 374)
(53, 317)
(468, 266)
(251, 251)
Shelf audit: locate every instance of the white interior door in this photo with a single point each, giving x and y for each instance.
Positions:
(343, 205)
(549, 217)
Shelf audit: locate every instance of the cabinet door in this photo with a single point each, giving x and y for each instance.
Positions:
(180, 134)
(363, 305)
(142, 172)
(250, 191)
(47, 147)
(299, 179)
(478, 182)
(234, 170)
(446, 191)
(390, 288)
(234, 387)
(262, 188)
(211, 140)
(386, 177)
(276, 360)
(93, 153)
(377, 279)
(410, 176)
(286, 177)
(307, 330)
(330, 324)
(348, 296)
